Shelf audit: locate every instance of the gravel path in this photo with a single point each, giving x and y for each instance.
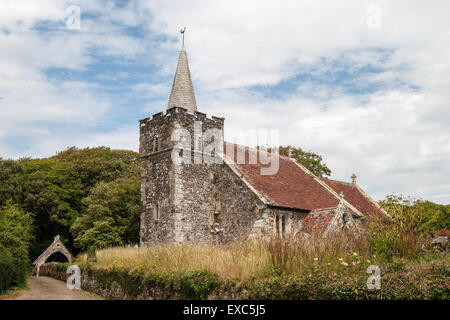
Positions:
(46, 288)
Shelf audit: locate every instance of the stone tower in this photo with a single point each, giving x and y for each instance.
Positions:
(177, 202)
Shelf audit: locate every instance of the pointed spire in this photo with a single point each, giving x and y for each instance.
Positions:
(182, 94)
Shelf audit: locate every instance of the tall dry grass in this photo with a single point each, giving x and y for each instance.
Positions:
(294, 255)
(241, 260)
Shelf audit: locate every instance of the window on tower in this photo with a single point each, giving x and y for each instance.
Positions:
(156, 212)
(199, 144)
(156, 144)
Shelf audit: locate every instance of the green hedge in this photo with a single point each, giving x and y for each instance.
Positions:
(6, 269)
(14, 267)
(429, 280)
(194, 285)
(15, 235)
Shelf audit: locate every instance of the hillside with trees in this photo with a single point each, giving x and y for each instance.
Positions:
(82, 195)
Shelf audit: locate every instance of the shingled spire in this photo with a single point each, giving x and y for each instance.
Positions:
(182, 94)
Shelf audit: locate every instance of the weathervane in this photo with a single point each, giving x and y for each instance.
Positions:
(182, 32)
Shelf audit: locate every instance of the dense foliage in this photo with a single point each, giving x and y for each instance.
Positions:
(15, 237)
(414, 222)
(80, 194)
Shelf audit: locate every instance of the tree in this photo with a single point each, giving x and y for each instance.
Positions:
(102, 233)
(312, 161)
(43, 204)
(401, 235)
(11, 186)
(423, 216)
(112, 207)
(435, 217)
(15, 237)
(55, 188)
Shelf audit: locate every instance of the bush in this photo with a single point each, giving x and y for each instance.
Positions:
(399, 236)
(62, 266)
(21, 265)
(15, 234)
(198, 284)
(6, 269)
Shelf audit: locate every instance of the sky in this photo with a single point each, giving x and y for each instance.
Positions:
(363, 83)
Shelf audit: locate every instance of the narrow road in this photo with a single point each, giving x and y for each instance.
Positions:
(46, 288)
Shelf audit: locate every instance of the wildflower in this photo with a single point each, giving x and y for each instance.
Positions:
(358, 262)
(315, 259)
(344, 263)
(355, 254)
(353, 263)
(329, 263)
(374, 255)
(368, 261)
(340, 259)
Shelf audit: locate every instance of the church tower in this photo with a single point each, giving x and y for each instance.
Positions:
(177, 200)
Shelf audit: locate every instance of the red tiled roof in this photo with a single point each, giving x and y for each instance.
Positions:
(355, 197)
(316, 222)
(290, 187)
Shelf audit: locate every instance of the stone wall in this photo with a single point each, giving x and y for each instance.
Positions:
(213, 204)
(156, 182)
(293, 220)
(90, 282)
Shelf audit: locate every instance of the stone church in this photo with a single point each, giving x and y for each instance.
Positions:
(231, 200)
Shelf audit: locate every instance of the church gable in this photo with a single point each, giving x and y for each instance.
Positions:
(328, 222)
(357, 197)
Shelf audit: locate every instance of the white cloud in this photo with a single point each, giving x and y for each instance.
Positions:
(395, 138)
